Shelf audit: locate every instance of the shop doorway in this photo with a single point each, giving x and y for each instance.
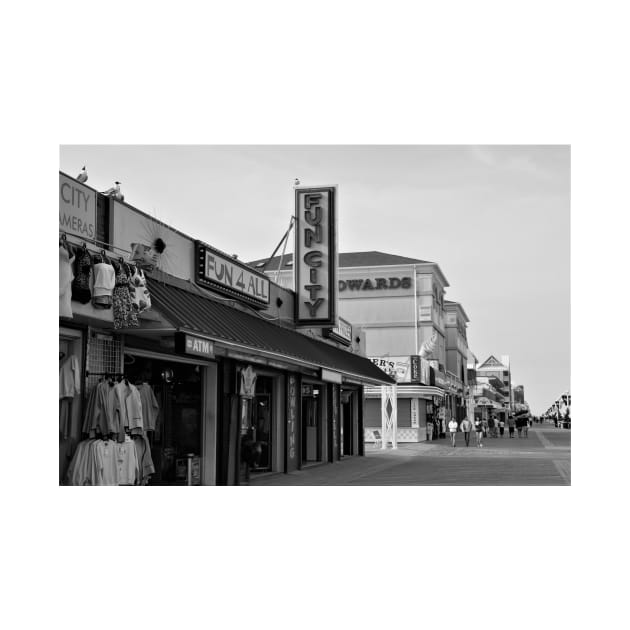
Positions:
(178, 428)
(346, 424)
(311, 424)
(261, 423)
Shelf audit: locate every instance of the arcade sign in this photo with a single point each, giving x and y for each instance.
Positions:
(214, 270)
(316, 256)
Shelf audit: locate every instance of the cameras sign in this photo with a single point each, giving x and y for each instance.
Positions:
(77, 208)
(316, 256)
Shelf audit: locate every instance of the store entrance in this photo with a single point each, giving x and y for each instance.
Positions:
(346, 425)
(311, 424)
(178, 425)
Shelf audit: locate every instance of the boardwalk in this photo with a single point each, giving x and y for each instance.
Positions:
(543, 459)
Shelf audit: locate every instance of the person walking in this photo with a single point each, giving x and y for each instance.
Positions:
(502, 427)
(525, 427)
(452, 429)
(479, 432)
(491, 427)
(466, 427)
(511, 424)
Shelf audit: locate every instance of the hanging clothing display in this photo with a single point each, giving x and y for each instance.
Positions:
(124, 314)
(69, 377)
(140, 298)
(150, 406)
(83, 271)
(145, 461)
(130, 406)
(105, 463)
(103, 282)
(102, 414)
(65, 282)
(69, 387)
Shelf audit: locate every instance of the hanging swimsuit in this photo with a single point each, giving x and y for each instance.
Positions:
(124, 315)
(140, 298)
(81, 283)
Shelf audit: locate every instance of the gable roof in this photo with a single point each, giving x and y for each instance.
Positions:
(348, 259)
(492, 361)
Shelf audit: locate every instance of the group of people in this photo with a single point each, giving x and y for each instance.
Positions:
(491, 427)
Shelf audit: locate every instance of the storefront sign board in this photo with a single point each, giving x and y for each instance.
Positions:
(77, 208)
(316, 256)
(218, 272)
(192, 344)
(341, 333)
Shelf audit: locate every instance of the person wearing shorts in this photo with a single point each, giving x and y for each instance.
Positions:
(452, 429)
(511, 426)
(479, 432)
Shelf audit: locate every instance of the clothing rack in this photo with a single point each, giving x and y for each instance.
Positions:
(95, 242)
(112, 374)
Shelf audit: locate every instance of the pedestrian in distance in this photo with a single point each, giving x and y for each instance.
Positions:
(491, 427)
(519, 426)
(429, 430)
(501, 427)
(525, 427)
(511, 424)
(484, 426)
(452, 429)
(479, 432)
(466, 427)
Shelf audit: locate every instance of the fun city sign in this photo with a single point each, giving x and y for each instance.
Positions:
(77, 208)
(316, 256)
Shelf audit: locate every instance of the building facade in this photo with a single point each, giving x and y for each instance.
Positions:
(181, 365)
(402, 322)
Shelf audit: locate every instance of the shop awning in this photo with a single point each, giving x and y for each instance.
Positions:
(190, 311)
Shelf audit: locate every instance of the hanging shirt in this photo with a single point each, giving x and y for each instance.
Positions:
(127, 460)
(106, 463)
(150, 407)
(69, 378)
(65, 282)
(104, 280)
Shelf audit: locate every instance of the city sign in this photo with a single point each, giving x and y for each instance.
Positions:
(316, 256)
(77, 208)
(216, 271)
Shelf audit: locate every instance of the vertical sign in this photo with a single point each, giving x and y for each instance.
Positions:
(336, 428)
(315, 264)
(415, 423)
(77, 208)
(291, 456)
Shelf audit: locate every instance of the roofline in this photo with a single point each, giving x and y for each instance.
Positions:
(457, 305)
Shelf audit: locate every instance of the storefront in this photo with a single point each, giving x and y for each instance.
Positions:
(192, 377)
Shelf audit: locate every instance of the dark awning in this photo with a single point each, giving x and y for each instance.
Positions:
(192, 312)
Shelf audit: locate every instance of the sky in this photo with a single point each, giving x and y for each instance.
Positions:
(496, 219)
